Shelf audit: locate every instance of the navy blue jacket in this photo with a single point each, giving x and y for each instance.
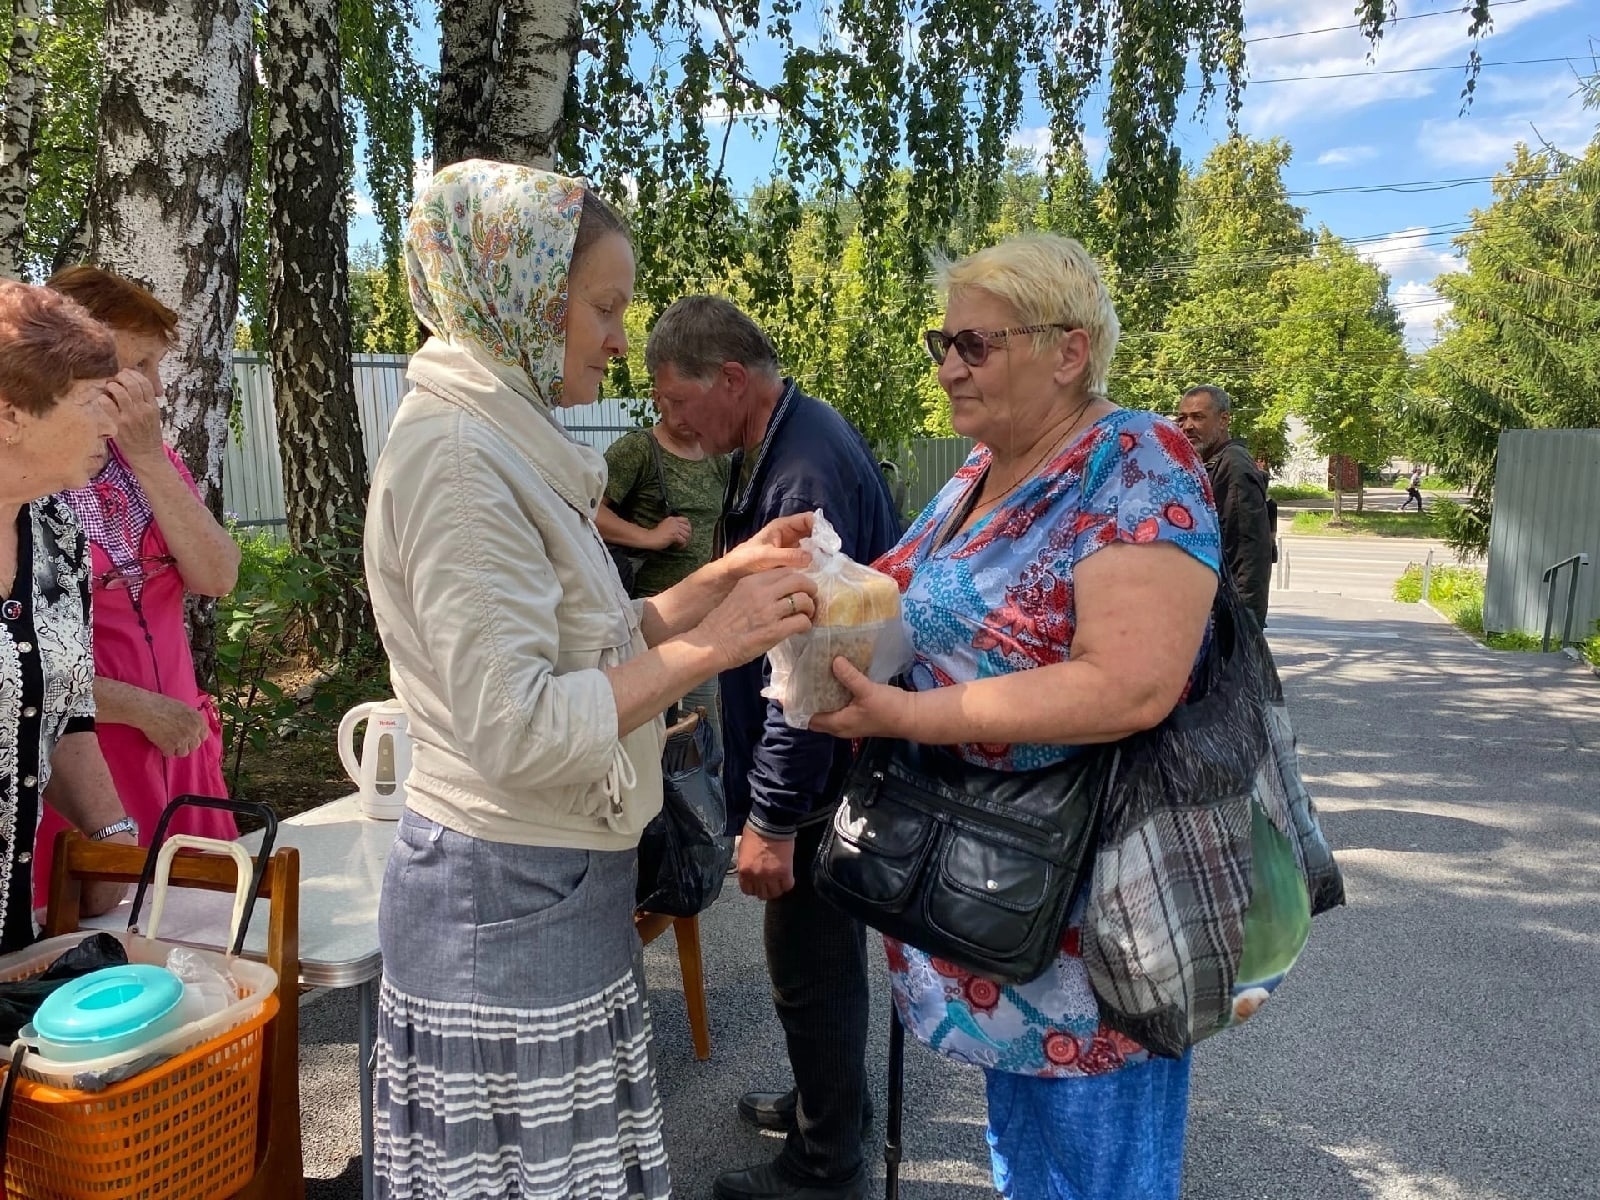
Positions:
(782, 778)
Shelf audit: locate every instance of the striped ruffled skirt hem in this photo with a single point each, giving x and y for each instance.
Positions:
(485, 1101)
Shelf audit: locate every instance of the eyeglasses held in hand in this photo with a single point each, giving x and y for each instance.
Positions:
(139, 572)
(973, 345)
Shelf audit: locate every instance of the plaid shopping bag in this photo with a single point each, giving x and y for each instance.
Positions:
(1210, 861)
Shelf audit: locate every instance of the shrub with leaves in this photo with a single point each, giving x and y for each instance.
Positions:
(268, 622)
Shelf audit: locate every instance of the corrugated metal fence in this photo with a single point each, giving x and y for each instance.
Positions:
(252, 472)
(1546, 508)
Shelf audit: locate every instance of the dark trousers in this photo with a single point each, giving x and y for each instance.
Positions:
(817, 958)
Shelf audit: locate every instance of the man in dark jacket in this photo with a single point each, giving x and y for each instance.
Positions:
(1240, 489)
(792, 454)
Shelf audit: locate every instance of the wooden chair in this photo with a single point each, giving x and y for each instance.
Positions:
(280, 1174)
(686, 931)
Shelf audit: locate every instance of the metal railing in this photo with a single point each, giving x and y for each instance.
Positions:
(1551, 574)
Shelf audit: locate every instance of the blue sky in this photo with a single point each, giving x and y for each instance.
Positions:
(1364, 130)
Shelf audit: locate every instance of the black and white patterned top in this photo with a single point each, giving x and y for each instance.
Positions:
(46, 690)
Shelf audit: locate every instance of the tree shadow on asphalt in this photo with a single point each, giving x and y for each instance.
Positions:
(1426, 1046)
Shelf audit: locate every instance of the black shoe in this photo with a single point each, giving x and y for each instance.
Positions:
(766, 1182)
(775, 1111)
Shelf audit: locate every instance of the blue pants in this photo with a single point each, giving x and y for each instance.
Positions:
(1097, 1137)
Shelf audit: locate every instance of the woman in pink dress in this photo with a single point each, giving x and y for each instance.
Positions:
(152, 539)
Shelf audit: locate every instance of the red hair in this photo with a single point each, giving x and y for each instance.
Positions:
(117, 302)
(47, 343)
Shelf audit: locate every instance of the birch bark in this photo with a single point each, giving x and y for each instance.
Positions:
(16, 138)
(538, 43)
(166, 209)
(167, 204)
(469, 37)
(308, 304)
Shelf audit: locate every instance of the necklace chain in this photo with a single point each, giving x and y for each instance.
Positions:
(1037, 463)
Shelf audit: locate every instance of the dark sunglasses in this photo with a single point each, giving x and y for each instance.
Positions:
(140, 572)
(973, 345)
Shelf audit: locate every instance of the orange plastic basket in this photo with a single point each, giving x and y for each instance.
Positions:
(184, 1130)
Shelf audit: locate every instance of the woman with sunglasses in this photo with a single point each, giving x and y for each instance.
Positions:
(152, 541)
(56, 369)
(1057, 591)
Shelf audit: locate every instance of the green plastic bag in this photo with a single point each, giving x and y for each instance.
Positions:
(1278, 921)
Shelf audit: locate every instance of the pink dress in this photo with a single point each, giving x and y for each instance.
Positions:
(140, 639)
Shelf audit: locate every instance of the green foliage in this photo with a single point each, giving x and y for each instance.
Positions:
(1297, 491)
(381, 319)
(1201, 315)
(386, 94)
(70, 72)
(1521, 346)
(1457, 593)
(892, 128)
(1336, 357)
(1369, 524)
(268, 621)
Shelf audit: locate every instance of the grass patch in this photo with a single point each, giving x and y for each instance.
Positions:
(1368, 524)
(1298, 491)
(1433, 483)
(1457, 593)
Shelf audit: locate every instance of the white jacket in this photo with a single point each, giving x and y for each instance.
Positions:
(498, 604)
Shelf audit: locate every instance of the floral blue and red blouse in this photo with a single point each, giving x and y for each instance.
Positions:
(998, 598)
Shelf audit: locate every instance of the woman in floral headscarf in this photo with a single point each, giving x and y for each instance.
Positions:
(513, 1055)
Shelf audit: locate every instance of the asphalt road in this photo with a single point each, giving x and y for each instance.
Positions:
(1358, 567)
(1439, 1039)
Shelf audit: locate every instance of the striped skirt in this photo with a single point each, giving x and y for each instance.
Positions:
(513, 1038)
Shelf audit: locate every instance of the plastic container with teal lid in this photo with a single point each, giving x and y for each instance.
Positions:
(107, 1012)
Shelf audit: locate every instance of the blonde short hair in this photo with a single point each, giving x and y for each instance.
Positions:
(1045, 279)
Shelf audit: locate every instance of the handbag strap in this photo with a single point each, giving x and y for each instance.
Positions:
(661, 474)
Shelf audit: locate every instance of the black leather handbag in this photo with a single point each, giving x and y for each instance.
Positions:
(975, 866)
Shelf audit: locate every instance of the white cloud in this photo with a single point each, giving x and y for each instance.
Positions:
(1420, 308)
(362, 206)
(1343, 156)
(1413, 258)
(1038, 139)
(1415, 255)
(1552, 111)
(718, 111)
(1436, 41)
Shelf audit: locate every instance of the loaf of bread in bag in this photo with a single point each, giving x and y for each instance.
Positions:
(869, 599)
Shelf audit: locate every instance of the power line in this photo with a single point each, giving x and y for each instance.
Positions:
(1503, 62)
(1421, 185)
(1442, 12)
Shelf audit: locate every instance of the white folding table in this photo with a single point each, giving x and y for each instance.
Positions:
(342, 857)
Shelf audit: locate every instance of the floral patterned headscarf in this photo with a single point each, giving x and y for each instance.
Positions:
(487, 254)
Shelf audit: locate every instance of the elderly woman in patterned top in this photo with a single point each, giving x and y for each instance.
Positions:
(152, 542)
(58, 381)
(1057, 591)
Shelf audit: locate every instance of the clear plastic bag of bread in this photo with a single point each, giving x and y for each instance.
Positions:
(857, 617)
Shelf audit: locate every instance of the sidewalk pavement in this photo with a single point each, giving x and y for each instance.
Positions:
(1437, 1042)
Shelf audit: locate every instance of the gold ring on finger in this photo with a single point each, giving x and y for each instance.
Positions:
(793, 607)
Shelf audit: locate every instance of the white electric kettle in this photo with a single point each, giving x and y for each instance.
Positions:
(380, 773)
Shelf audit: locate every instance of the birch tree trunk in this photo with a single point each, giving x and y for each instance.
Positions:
(16, 138)
(538, 43)
(469, 36)
(167, 204)
(308, 308)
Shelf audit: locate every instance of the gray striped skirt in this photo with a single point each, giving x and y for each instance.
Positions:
(513, 1037)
